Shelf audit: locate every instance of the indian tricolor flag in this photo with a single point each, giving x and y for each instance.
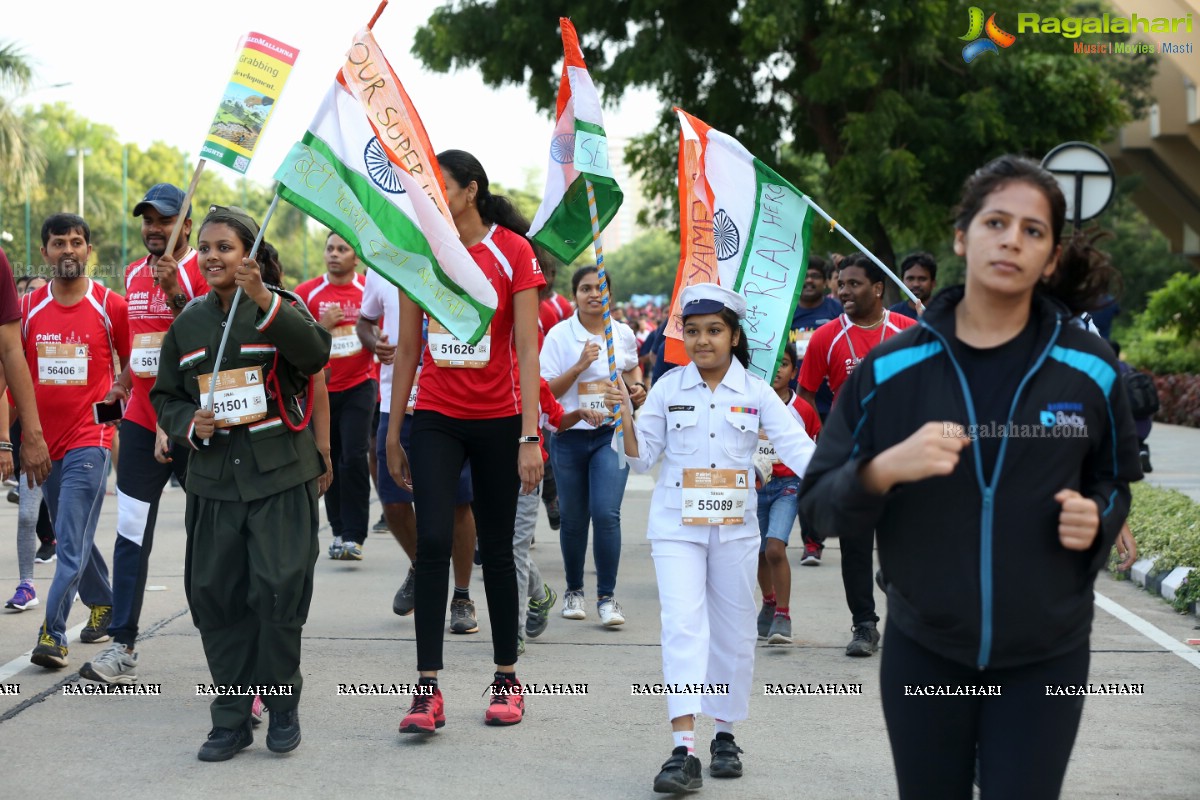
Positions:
(366, 170)
(744, 227)
(578, 152)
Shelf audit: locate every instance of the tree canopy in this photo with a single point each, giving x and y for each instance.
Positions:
(875, 98)
(20, 158)
(58, 129)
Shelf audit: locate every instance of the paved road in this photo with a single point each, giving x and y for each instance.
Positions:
(607, 744)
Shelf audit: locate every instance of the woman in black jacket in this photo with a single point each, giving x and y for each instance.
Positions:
(991, 448)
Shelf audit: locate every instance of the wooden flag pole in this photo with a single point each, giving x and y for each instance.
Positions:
(608, 325)
(187, 200)
(212, 389)
(378, 11)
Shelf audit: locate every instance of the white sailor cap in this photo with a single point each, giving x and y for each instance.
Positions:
(709, 298)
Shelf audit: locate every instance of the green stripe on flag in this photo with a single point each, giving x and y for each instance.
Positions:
(315, 181)
(568, 231)
(774, 262)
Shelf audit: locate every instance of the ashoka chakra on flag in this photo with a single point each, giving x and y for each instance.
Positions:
(380, 169)
(725, 236)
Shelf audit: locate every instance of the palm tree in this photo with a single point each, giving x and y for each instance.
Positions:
(20, 157)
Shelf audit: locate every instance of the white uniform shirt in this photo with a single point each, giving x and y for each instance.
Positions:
(380, 299)
(693, 427)
(560, 351)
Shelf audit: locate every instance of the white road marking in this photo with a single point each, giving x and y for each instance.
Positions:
(1151, 632)
(22, 661)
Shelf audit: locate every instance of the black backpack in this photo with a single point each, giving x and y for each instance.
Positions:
(1143, 395)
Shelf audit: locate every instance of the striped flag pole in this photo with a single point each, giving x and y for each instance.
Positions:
(608, 327)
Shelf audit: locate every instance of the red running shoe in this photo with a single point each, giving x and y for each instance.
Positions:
(426, 714)
(812, 554)
(507, 704)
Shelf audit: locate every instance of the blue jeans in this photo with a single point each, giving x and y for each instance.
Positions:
(590, 489)
(74, 493)
(777, 510)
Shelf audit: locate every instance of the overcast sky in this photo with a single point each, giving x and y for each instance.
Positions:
(157, 72)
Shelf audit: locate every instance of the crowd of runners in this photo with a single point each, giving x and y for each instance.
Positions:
(343, 386)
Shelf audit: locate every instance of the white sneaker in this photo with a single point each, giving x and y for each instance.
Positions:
(573, 605)
(335, 549)
(610, 613)
(113, 665)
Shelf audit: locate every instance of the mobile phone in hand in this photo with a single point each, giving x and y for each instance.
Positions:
(104, 413)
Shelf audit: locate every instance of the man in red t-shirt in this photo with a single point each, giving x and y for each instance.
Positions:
(834, 351)
(155, 294)
(334, 299)
(553, 308)
(76, 332)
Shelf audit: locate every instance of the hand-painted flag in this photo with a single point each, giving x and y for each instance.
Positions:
(578, 152)
(380, 189)
(742, 226)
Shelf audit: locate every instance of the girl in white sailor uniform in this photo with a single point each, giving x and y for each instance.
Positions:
(703, 420)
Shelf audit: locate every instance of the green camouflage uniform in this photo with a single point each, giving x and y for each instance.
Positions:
(251, 495)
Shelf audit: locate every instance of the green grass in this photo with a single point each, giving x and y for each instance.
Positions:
(1166, 523)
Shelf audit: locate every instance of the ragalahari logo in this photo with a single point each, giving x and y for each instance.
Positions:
(996, 38)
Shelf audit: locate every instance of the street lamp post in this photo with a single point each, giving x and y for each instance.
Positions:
(81, 152)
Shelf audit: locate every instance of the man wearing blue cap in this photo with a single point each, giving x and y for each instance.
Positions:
(155, 294)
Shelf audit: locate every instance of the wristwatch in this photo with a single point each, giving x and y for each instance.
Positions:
(529, 439)
(179, 300)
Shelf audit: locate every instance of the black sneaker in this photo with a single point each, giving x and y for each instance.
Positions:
(46, 552)
(48, 653)
(96, 630)
(224, 743)
(283, 731)
(679, 773)
(406, 596)
(553, 514)
(865, 641)
(381, 525)
(725, 762)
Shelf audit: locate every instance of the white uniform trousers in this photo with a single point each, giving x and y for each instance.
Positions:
(708, 621)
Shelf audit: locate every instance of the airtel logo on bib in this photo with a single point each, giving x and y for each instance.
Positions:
(1066, 414)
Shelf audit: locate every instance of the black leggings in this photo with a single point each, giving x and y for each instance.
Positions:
(440, 444)
(858, 577)
(1023, 738)
(349, 497)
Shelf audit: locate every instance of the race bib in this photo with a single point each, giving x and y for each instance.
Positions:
(714, 496)
(766, 450)
(591, 395)
(448, 351)
(143, 356)
(412, 399)
(765, 458)
(240, 397)
(62, 364)
(345, 342)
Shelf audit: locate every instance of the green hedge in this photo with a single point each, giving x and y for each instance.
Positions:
(1166, 523)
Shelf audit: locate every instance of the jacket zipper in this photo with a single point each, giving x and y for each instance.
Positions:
(987, 513)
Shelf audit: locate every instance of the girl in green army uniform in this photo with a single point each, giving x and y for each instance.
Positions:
(252, 480)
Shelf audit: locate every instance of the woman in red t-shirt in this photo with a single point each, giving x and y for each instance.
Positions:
(481, 407)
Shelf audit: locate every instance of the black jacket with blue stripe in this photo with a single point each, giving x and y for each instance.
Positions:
(975, 570)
